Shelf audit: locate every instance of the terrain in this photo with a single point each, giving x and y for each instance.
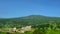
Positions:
(40, 24)
(27, 20)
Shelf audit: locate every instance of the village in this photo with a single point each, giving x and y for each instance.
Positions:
(19, 30)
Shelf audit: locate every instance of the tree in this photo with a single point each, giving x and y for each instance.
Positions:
(39, 31)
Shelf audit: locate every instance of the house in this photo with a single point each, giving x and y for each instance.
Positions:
(27, 28)
(24, 29)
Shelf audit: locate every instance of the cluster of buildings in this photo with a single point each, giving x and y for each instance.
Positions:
(20, 30)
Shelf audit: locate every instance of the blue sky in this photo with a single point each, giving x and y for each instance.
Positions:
(19, 8)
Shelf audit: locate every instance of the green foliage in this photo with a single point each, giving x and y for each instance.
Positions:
(42, 24)
(2, 32)
(39, 31)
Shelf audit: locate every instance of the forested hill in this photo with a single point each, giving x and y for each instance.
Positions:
(29, 20)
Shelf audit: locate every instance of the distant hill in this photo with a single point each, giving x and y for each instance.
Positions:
(29, 20)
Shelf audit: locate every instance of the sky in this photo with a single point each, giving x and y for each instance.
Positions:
(19, 8)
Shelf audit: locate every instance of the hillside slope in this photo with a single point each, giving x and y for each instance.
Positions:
(29, 20)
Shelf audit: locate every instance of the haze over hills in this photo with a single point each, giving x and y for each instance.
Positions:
(29, 20)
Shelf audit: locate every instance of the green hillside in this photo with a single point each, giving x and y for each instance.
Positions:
(27, 20)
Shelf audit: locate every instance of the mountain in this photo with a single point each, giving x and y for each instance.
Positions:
(28, 20)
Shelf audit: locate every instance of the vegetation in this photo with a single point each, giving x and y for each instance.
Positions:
(41, 24)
